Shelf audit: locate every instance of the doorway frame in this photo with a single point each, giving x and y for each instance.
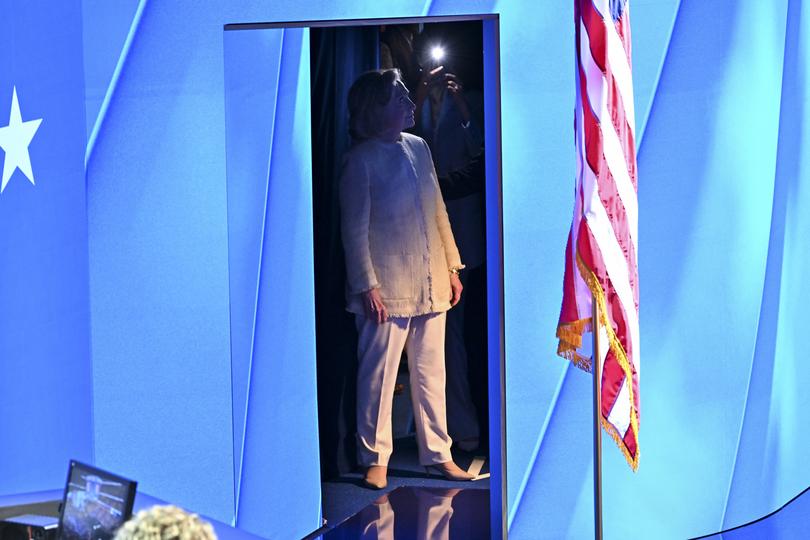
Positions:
(496, 342)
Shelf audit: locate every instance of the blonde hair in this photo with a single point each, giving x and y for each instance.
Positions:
(368, 94)
(165, 523)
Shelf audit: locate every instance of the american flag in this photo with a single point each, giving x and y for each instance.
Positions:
(601, 255)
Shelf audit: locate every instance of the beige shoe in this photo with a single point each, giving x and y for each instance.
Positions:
(450, 471)
(376, 477)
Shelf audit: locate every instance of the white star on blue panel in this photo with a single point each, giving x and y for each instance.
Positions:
(14, 140)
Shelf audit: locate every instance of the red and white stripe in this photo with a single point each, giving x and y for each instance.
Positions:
(601, 257)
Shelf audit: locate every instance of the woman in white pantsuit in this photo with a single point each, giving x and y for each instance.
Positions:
(402, 273)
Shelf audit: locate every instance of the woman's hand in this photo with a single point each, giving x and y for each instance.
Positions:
(373, 304)
(455, 285)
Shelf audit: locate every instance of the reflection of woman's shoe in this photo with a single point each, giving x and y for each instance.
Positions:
(376, 477)
(450, 471)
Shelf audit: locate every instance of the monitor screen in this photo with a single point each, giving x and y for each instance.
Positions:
(95, 504)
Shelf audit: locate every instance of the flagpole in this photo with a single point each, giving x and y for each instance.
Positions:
(597, 415)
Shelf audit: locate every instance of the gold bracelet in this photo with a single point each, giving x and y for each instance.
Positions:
(455, 270)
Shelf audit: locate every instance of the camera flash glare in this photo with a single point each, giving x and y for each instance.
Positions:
(437, 53)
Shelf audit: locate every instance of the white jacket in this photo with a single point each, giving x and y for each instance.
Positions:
(396, 235)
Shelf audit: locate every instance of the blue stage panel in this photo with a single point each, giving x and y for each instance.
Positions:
(279, 451)
(770, 465)
(105, 28)
(537, 98)
(252, 70)
(45, 370)
(557, 498)
(159, 269)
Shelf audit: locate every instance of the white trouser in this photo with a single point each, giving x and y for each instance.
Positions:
(379, 349)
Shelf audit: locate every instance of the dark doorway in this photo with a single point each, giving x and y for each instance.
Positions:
(338, 54)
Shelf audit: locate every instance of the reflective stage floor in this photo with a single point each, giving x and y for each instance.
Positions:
(419, 513)
(412, 500)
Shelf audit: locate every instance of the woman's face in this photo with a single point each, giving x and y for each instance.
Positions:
(397, 114)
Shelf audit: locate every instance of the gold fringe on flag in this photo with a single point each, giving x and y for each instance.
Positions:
(570, 336)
